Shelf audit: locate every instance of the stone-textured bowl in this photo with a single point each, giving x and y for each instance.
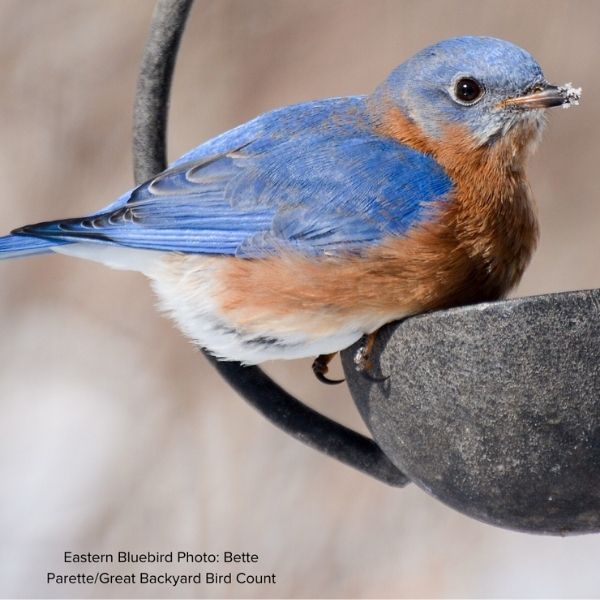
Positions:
(495, 408)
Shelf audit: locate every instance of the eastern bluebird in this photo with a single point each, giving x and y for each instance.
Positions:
(310, 226)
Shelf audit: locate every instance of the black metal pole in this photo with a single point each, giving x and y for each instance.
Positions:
(151, 108)
(149, 148)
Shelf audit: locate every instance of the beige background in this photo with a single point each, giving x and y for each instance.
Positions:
(114, 433)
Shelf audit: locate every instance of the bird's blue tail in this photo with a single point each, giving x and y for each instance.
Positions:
(12, 246)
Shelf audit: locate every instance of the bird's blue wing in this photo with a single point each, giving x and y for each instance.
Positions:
(322, 189)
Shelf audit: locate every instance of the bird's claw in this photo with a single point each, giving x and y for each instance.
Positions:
(362, 359)
(320, 367)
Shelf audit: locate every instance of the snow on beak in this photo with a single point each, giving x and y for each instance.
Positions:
(547, 96)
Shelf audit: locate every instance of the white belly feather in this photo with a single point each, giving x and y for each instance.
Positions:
(188, 297)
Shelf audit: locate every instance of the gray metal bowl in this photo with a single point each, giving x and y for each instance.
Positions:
(495, 408)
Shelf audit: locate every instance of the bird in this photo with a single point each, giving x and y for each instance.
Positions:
(311, 226)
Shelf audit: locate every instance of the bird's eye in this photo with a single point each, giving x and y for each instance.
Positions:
(467, 90)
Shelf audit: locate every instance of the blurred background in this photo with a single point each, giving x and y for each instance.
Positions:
(115, 434)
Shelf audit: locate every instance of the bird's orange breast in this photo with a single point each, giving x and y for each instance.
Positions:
(488, 230)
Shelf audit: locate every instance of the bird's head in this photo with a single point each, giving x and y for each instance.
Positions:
(487, 87)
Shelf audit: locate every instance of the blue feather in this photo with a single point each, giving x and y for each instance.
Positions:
(13, 246)
(311, 177)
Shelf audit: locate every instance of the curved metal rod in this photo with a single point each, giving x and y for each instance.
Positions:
(149, 147)
(151, 107)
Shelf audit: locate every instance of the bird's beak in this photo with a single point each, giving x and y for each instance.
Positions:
(547, 96)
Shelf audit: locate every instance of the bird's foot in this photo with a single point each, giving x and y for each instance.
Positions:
(320, 368)
(362, 358)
